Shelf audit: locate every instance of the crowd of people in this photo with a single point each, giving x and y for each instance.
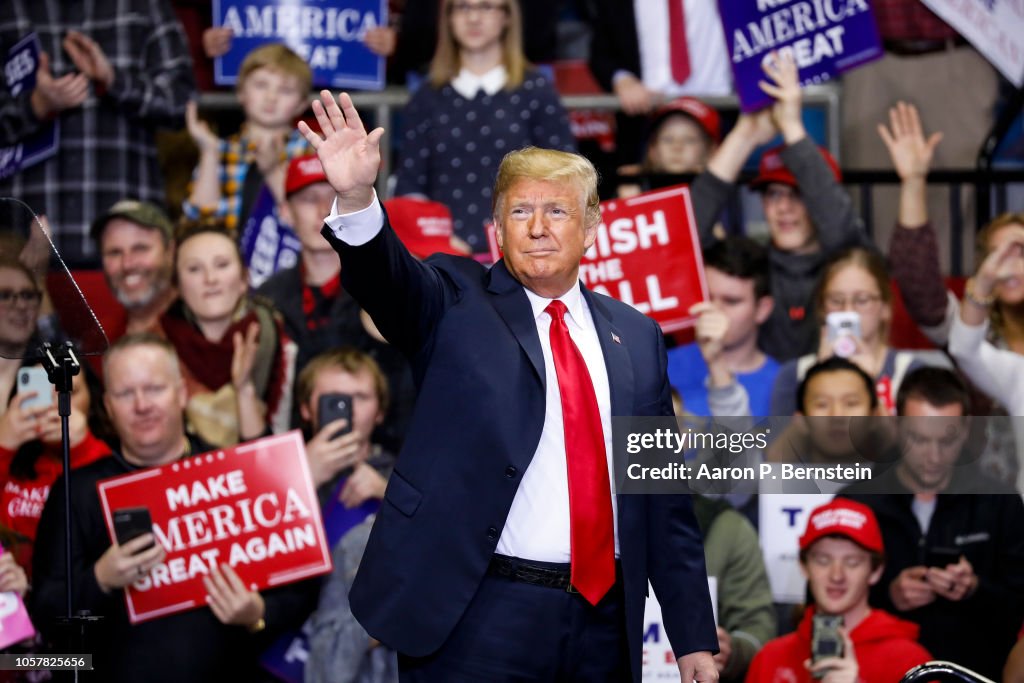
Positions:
(232, 320)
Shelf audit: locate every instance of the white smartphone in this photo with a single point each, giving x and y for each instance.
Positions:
(843, 332)
(34, 379)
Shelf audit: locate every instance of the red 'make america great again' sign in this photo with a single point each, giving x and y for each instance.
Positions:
(253, 507)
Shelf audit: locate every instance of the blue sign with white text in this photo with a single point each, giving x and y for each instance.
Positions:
(825, 37)
(20, 75)
(326, 33)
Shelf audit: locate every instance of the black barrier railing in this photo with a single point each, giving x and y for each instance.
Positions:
(990, 189)
(943, 671)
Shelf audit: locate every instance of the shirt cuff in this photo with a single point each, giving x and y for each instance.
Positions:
(359, 227)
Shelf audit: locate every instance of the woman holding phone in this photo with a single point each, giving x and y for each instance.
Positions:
(30, 431)
(236, 360)
(855, 295)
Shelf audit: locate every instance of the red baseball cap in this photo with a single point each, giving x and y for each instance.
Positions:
(303, 171)
(772, 170)
(846, 518)
(705, 116)
(425, 227)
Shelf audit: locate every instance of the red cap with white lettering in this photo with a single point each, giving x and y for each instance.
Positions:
(303, 171)
(847, 518)
(425, 227)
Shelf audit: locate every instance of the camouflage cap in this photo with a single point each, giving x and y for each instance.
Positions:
(144, 213)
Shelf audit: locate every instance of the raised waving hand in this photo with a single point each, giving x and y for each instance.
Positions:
(350, 156)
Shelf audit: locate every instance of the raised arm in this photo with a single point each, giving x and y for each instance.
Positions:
(914, 249)
(403, 296)
(828, 204)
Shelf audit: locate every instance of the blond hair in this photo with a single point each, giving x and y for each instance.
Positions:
(982, 248)
(277, 57)
(446, 63)
(346, 359)
(552, 165)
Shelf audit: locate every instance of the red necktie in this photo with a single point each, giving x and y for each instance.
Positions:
(679, 53)
(591, 527)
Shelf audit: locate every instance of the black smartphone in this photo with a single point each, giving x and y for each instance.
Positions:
(826, 641)
(940, 557)
(333, 407)
(131, 523)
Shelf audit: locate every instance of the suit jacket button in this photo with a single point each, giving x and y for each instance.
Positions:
(510, 471)
(492, 533)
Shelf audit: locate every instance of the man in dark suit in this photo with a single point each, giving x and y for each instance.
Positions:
(481, 566)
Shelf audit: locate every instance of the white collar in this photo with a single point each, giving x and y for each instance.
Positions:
(573, 300)
(469, 84)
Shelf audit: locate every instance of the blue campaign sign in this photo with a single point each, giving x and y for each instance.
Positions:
(20, 74)
(326, 33)
(826, 38)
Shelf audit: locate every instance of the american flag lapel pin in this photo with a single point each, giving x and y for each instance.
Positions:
(615, 338)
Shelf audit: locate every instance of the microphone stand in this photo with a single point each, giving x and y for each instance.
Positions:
(61, 364)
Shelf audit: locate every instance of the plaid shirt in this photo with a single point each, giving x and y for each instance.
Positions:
(909, 20)
(236, 155)
(107, 150)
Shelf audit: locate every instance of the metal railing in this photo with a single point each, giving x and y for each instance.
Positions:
(946, 671)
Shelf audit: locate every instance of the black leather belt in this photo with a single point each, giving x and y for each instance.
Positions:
(547, 574)
(913, 48)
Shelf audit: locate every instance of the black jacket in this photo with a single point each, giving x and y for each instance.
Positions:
(981, 519)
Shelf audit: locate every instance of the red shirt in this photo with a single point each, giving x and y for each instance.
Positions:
(886, 649)
(22, 500)
(909, 20)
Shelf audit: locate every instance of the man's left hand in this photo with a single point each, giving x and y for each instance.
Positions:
(89, 58)
(699, 667)
(230, 600)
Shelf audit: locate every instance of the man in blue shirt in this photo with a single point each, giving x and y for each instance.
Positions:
(724, 373)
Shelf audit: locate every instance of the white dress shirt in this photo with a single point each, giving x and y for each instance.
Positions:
(537, 527)
(710, 71)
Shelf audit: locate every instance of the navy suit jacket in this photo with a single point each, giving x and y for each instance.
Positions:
(470, 334)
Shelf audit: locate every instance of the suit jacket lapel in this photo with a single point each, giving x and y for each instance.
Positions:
(514, 307)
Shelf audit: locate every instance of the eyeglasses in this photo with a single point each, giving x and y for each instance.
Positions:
(777, 194)
(858, 301)
(482, 7)
(25, 296)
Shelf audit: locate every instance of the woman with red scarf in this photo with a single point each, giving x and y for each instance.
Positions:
(237, 362)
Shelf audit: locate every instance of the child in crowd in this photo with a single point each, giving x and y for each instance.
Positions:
(245, 172)
(683, 135)
(482, 101)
